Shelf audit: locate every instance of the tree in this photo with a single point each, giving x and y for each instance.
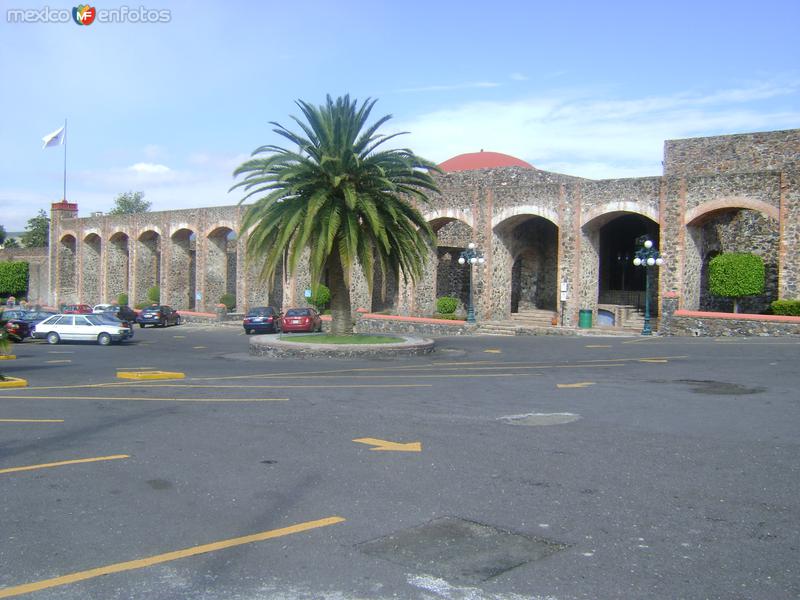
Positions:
(11, 243)
(129, 203)
(734, 275)
(340, 197)
(37, 231)
(2, 235)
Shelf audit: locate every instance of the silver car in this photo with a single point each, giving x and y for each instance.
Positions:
(88, 328)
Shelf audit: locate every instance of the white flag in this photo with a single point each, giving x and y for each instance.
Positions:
(53, 139)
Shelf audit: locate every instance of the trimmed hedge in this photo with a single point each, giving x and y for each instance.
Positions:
(733, 275)
(787, 308)
(154, 294)
(446, 305)
(229, 300)
(13, 278)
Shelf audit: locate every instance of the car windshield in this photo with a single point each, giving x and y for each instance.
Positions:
(298, 312)
(106, 318)
(260, 312)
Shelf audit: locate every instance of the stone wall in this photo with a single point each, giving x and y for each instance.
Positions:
(741, 153)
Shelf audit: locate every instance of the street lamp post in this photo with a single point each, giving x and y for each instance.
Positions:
(646, 257)
(471, 256)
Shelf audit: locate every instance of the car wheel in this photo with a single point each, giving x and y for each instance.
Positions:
(163, 323)
(52, 338)
(247, 331)
(141, 325)
(177, 320)
(104, 339)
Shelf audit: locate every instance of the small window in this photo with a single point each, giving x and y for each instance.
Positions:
(82, 321)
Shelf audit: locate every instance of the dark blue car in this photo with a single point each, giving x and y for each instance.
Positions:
(158, 315)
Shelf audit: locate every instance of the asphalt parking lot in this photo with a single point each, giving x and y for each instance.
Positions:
(496, 468)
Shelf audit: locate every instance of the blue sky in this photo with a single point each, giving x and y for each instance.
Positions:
(590, 89)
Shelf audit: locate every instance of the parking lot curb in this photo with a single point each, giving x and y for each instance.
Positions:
(13, 382)
(145, 375)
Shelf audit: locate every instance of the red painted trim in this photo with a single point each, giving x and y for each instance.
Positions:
(698, 314)
(197, 314)
(413, 319)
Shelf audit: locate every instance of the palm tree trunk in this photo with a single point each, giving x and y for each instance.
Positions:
(341, 317)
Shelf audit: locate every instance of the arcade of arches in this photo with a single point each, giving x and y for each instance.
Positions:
(552, 242)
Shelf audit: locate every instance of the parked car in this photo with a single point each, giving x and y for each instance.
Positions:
(80, 328)
(7, 314)
(112, 320)
(101, 308)
(158, 315)
(77, 309)
(301, 319)
(20, 328)
(262, 319)
(124, 313)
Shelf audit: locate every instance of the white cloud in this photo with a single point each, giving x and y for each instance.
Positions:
(518, 77)
(590, 136)
(149, 168)
(449, 87)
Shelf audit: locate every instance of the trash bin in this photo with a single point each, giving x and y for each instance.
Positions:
(585, 318)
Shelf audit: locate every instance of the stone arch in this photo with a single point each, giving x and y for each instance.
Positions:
(730, 224)
(148, 262)
(453, 236)
(182, 291)
(220, 271)
(524, 261)
(67, 280)
(611, 210)
(91, 288)
(118, 265)
(609, 241)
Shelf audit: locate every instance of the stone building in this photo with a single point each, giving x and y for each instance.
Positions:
(551, 242)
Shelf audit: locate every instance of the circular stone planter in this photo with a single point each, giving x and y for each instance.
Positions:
(271, 347)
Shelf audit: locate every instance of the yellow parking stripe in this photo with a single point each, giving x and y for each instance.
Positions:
(62, 463)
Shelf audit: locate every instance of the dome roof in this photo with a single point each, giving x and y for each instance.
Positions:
(482, 160)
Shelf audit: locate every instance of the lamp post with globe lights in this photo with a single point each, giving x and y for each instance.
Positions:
(647, 257)
(472, 257)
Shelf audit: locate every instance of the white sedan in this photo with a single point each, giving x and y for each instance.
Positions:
(92, 328)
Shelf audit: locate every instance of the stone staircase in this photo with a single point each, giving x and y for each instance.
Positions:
(496, 328)
(534, 317)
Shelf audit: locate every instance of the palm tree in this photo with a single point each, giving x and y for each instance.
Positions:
(341, 196)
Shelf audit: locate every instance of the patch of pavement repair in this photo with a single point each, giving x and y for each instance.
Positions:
(716, 388)
(459, 551)
(540, 419)
(444, 589)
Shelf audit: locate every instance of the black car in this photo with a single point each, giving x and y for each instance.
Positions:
(158, 315)
(124, 313)
(20, 328)
(262, 319)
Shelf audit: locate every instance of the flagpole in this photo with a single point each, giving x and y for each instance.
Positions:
(65, 159)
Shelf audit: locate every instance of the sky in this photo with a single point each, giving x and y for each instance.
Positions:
(171, 108)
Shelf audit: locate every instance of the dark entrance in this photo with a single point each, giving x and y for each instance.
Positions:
(620, 282)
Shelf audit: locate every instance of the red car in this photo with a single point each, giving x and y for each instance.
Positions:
(301, 319)
(77, 309)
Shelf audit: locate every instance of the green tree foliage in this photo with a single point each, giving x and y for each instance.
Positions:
(446, 305)
(734, 275)
(37, 232)
(13, 278)
(11, 243)
(130, 203)
(788, 308)
(320, 296)
(154, 294)
(3, 235)
(122, 299)
(339, 195)
(229, 300)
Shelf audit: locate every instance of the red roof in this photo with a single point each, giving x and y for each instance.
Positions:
(482, 160)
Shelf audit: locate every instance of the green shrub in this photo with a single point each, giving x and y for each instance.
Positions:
(122, 299)
(141, 305)
(447, 316)
(735, 275)
(154, 294)
(13, 278)
(320, 296)
(446, 305)
(788, 308)
(229, 300)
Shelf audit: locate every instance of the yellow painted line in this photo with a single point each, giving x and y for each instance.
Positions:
(62, 463)
(493, 351)
(143, 399)
(8, 357)
(13, 382)
(653, 360)
(61, 352)
(55, 362)
(598, 346)
(292, 385)
(136, 368)
(387, 446)
(581, 384)
(147, 375)
(166, 557)
(199, 347)
(31, 420)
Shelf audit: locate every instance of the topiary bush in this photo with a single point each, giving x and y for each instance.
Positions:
(13, 278)
(122, 299)
(154, 294)
(446, 305)
(734, 275)
(229, 300)
(787, 308)
(447, 316)
(141, 305)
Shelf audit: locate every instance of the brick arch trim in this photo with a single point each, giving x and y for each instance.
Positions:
(224, 225)
(616, 207)
(92, 231)
(449, 213)
(176, 227)
(122, 231)
(145, 229)
(698, 212)
(527, 209)
(67, 233)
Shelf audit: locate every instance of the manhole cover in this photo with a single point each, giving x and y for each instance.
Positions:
(720, 388)
(538, 419)
(458, 550)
